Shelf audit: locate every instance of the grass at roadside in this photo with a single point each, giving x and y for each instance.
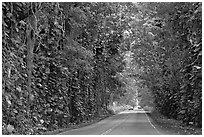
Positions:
(172, 126)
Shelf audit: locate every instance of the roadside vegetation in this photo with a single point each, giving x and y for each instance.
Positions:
(67, 63)
(172, 126)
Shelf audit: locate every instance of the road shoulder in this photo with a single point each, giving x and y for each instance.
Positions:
(171, 126)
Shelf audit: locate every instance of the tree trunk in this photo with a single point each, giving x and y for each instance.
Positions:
(31, 27)
(111, 99)
(29, 62)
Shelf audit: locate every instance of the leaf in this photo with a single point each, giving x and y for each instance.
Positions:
(31, 97)
(8, 101)
(19, 89)
(15, 111)
(41, 121)
(10, 128)
(197, 67)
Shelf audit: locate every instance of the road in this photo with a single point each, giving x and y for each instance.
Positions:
(129, 122)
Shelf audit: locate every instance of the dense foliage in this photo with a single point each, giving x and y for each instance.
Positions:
(64, 63)
(165, 47)
(171, 54)
(59, 63)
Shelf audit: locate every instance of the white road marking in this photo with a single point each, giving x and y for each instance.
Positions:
(152, 124)
(109, 130)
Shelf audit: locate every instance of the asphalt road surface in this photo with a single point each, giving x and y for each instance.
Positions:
(130, 122)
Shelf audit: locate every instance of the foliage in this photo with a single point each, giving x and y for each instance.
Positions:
(165, 42)
(170, 53)
(58, 63)
(61, 62)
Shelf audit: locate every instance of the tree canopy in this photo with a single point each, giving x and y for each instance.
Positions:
(65, 63)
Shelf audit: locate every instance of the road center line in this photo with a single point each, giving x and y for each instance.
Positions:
(109, 130)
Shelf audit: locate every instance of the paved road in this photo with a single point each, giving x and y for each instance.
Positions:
(130, 122)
